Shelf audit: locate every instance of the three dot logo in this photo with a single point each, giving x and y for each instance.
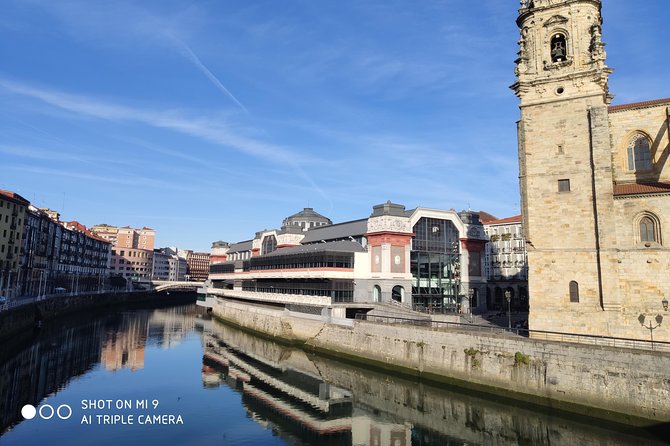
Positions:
(28, 411)
(46, 411)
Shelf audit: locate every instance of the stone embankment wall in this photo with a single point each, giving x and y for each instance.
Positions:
(471, 418)
(273, 322)
(631, 386)
(25, 316)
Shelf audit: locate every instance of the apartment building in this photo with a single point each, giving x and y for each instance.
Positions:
(12, 223)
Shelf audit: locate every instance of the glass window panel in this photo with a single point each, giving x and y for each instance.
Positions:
(647, 230)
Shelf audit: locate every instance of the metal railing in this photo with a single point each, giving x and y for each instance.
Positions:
(25, 300)
(535, 335)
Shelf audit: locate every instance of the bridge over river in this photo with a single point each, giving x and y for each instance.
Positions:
(165, 285)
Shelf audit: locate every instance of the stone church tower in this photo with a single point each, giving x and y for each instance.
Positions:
(583, 275)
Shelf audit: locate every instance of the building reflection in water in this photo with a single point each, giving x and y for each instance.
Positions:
(36, 365)
(126, 340)
(124, 344)
(301, 398)
(321, 401)
(283, 390)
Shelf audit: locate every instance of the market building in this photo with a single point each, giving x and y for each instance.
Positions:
(424, 259)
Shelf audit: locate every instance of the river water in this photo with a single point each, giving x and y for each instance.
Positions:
(173, 376)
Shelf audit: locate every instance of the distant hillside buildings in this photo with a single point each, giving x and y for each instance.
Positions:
(506, 264)
(428, 259)
(40, 254)
(132, 250)
(198, 265)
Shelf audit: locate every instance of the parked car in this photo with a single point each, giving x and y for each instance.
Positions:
(3, 301)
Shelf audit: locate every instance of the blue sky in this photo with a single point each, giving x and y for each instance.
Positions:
(210, 120)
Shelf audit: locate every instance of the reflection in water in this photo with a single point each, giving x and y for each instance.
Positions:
(124, 345)
(68, 348)
(289, 396)
(55, 357)
(289, 399)
(294, 392)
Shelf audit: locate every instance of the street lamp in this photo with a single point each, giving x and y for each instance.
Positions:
(651, 327)
(658, 319)
(41, 291)
(508, 296)
(471, 294)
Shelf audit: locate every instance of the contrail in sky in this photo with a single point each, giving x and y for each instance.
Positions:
(190, 55)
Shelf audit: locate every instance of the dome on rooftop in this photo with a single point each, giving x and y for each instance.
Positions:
(306, 219)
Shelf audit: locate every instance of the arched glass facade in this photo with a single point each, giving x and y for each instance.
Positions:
(435, 265)
(269, 244)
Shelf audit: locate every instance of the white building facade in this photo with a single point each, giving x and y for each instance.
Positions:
(426, 259)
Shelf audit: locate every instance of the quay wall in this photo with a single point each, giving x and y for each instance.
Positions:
(623, 385)
(273, 322)
(24, 317)
(473, 419)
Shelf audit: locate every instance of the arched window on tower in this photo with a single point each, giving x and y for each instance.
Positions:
(574, 291)
(639, 153)
(559, 48)
(648, 230)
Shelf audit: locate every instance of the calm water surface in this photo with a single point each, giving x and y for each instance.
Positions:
(173, 376)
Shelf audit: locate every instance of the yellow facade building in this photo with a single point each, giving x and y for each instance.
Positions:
(12, 223)
(594, 179)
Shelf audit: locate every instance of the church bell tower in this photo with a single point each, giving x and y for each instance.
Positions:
(561, 52)
(565, 169)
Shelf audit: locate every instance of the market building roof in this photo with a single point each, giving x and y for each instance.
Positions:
(338, 246)
(337, 231)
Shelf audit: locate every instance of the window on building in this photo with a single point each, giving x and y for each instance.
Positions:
(377, 293)
(475, 264)
(639, 153)
(269, 244)
(559, 47)
(564, 185)
(649, 230)
(574, 291)
(398, 293)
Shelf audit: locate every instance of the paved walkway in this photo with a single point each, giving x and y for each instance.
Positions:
(495, 318)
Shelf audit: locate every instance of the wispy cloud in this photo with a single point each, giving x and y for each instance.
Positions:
(214, 131)
(24, 151)
(132, 181)
(121, 22)
(204, 128)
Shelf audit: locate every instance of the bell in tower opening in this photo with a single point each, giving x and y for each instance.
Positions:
(558, 48)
